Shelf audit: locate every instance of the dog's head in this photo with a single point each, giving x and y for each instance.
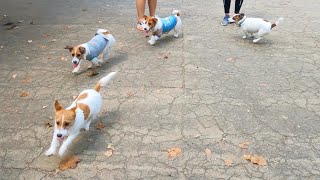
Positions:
(236, 18)
(64, 120)
(149, 23)
(77, 52)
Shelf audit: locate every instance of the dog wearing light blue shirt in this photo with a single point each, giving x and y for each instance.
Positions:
(101, 43)
(158, 26)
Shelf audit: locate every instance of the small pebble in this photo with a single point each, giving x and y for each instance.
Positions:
(29, 41)
(27, 57)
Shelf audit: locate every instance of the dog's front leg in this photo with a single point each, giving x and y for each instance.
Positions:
(245, 34)
(67, 142)
(53, 147)
(153, 39)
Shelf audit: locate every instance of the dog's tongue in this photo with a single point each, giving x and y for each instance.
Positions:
(75, 65)
(146, 33)
(60, 138)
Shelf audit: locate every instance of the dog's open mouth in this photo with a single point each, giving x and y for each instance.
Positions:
(60, 139)
(74, 65)
(146, 32)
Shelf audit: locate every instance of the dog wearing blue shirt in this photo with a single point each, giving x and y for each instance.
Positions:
(101, 43)
(158, 26)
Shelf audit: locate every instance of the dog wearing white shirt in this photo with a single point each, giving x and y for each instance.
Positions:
(253, 25)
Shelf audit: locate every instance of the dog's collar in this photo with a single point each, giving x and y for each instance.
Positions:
(242, 21)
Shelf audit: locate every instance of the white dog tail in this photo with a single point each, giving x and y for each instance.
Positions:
(280, 20)
(176, 12)
(104, 81)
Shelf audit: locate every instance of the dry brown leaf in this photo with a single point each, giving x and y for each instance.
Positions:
(24, 94)
(228, 162)
(247, 157)
(69, 163)
(174, 152)
(165, 57)
(207, 151)
(48, 125)
(261, 161)
(244, 145)
(43, 46)
(92, 73)
(26, 79)
(100, 125)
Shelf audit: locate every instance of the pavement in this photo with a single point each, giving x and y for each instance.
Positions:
(203, 93)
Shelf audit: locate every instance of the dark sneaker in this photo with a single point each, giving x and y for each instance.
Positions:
(225, 21)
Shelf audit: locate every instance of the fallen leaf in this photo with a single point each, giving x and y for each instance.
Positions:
(247, 157)
(207, 151)
(92, 73)
(14, 76)
(48, 125)
(109, 151)
(26, 79)
(261, 161)
(53, 40)
(174, 152)
(69, 163)
(24, 94)
(165, 57)
(228, 162)
(12, 27)
(100, 125)
(43, 46)
(244, 145)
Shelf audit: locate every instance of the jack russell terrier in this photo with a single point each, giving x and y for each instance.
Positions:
(68, 121)
(101, 43)
(254, 25)
(158, 26)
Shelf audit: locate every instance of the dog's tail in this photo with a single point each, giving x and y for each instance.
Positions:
(176, 12)
(280, 20)
(104, 81)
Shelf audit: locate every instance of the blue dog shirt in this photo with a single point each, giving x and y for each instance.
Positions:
(96, 46)
(168, 23)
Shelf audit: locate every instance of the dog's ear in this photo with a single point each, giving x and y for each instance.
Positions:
(154, 20)
(57, 106)
(73, 109)
(82, 50)
(69, 47)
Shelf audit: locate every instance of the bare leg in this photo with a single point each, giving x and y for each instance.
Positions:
(140, 4)
(152, 7)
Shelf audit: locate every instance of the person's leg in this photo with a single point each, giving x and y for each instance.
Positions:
(226, 4)
(152, 7)
(140, 5)
(237, 6)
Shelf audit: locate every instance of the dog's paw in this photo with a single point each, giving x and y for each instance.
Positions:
(244, 36)
(151, 42)
(49, 152)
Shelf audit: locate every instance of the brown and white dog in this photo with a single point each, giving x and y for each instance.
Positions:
(158, 26)
(253, 25)
(101, 43)
(69, 121)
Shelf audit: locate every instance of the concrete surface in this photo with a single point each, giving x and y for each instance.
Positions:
(213, 91)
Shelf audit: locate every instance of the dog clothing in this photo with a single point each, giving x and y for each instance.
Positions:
(96, 46)
(168, 23)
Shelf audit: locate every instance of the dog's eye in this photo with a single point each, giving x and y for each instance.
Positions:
(66, 124)
(58, 123)
(72, 54)
(78, 55)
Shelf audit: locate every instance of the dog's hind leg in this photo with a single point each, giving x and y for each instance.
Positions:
(53, 147)
(261, 33)
(87, 125)
(67, 142)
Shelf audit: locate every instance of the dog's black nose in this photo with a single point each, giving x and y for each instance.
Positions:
(59, 135)
(74, 62)
(145, 29)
